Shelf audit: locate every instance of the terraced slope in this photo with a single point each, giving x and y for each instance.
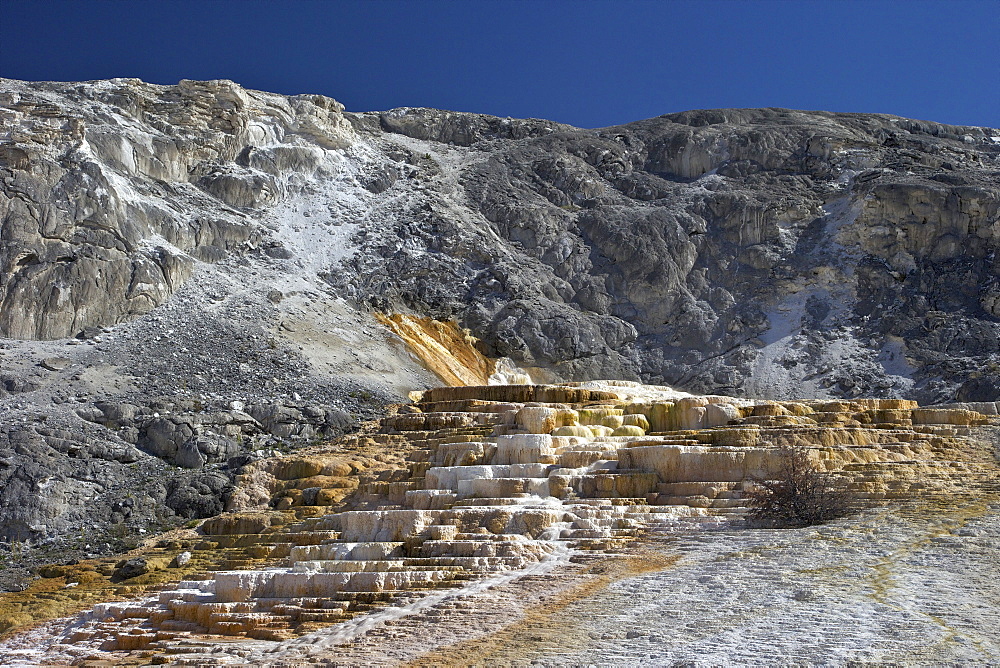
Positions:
(475, 487)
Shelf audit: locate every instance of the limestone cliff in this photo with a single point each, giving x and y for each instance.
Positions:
(767, 252)
(759, 251)
(113, 190)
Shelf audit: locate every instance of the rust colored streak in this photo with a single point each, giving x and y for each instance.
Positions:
(442, 347)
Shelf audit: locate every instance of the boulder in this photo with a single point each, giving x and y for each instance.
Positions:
(130, 568)
(181, 560)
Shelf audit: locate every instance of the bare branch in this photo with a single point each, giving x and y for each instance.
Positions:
(799, 495)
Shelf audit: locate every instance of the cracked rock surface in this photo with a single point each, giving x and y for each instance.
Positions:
(743, 251)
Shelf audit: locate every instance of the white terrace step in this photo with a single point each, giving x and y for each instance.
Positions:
(325, 616)
(392, 566)
(489, 501)
(291, 537)
(236, 586)
(519, 550)
(700, 501)
(712, 489)
(352, 551)
(470, 564)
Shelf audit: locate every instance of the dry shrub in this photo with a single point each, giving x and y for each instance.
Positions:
(799, 495)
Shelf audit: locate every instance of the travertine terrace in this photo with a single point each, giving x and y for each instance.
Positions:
(192, 275)
(496, 481)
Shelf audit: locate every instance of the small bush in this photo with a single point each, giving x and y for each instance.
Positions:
(799, 495)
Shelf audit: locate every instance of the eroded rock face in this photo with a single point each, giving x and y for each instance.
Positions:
(767, 252)
(103, 209)
(112, 195)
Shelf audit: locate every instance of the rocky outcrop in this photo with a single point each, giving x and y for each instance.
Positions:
(750, 251)
(760, 251)
(189, 437)
(118, 466)
(461, 128)
(113, 191)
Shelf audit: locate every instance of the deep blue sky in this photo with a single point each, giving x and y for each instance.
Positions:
(587, 63)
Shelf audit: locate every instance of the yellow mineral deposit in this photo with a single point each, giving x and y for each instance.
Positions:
(442, 347)
(497, 478)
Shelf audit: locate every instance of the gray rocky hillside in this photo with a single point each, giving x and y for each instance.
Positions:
(188, 273)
